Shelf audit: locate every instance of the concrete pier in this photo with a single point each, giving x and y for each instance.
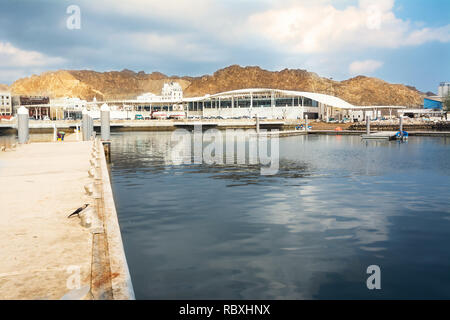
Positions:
(46, 255)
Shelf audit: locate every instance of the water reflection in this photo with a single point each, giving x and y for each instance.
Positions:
(336, 205)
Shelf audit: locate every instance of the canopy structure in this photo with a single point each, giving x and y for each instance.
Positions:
(261, 102)
(322, 98)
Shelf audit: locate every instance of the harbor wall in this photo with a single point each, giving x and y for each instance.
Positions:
(122, 287)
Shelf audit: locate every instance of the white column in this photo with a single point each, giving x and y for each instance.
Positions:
(23, 124)
(84, 124)
(105, 122)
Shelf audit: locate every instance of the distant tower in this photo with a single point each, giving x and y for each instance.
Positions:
(444, 89)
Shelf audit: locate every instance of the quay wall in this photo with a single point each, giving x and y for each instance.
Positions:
(122, 287)
(170, 125)
(50, 250)
(438, 126)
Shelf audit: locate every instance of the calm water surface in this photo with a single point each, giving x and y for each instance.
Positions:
(337, 205)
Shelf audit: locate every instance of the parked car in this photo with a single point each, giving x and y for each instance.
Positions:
(139, 117)
(46, 118)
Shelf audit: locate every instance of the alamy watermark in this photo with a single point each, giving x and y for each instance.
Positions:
(74, 279)
(234, 147)
(374, 280)
(73, 22)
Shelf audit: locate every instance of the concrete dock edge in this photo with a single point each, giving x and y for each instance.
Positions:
(122, 287)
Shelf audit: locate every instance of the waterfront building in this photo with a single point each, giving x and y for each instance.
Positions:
(422, 112)
(436, 102)
(38, 106)
(67, 108)
(255, 102)
(280, 104)
(147, 97)
(433, 102)
(172, 91)
(5, 103)
(444, 89)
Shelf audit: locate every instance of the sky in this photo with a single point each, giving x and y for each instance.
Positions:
(399, 41)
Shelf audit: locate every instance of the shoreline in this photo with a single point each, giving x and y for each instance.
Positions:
(422, 129)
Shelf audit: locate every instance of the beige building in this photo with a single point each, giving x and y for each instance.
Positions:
(5, 104)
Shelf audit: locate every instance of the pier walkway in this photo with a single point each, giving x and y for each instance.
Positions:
(44, 254)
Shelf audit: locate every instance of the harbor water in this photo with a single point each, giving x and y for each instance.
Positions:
(336, 206)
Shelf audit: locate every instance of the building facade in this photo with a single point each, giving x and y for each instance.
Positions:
(281, 104)
(172, 91)
(257, 102)
(38, 106)
(5, 104)
(432, 103)
(67, 108)
(444, 89)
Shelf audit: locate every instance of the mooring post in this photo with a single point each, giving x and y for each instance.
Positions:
(306, 122)
(107, 148)
(54, 133)
(90, 129)
(77, 131)
(84, 124)
(401, 126)
(257, 124)
(367, 124)
(105, 122)
(23, 125)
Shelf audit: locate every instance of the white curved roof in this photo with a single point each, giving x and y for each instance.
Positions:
(325, 99)
(319, 97)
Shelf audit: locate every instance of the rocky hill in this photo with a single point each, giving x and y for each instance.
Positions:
(127, 84)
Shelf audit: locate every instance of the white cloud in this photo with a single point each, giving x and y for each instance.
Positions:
(212, 30)
(364, 67)
(421, 36)
(11, 56)
(179, 45)
(218, 19)
(314, 28)
(173, 9)
(16, 63)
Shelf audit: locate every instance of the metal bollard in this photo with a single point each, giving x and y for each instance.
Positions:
(55, 135)
(84, 124)
(367, 125)
(257, 124)
(105, 122)
(23, 125)
(401, 126)
(90, 127)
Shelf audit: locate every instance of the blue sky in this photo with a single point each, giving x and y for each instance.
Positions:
(400, 41)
